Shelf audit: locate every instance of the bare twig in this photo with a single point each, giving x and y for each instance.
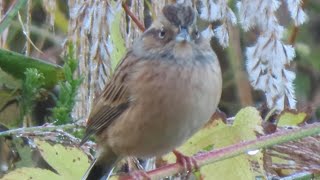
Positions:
(133, 17)
(54, 134)
(37, 128)
(293, 35)
(236, 61)
(295, 31)
(27, 33)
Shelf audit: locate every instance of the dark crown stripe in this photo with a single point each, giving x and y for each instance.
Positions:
(179, 15)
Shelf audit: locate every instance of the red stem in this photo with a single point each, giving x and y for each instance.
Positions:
(133, 17)
(279, 137)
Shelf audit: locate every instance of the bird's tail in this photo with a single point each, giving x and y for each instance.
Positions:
(101, 168)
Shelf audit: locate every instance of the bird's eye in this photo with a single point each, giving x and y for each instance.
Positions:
(196, 34)
(162, 33)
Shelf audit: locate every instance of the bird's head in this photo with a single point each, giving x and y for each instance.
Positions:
(174, 31)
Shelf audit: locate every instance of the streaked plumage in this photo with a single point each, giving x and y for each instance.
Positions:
(164, 90)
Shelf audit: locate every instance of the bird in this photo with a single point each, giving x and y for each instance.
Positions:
(166, 87)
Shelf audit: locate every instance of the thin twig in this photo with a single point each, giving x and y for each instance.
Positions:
(293, 35)
(26, 34)
(37, 128)
(133, 17)
(54, 134)
(27, 27)
(236, 62)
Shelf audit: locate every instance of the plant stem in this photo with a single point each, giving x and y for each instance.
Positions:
(236, 62)
(237, 149)
(12, 12)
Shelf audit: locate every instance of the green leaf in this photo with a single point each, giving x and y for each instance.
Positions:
(68, 90)
(16, 64)
(31, 173)
(217, 134)
(116, 38)
(288, 118)
(6, 80)
(61, 22)
(30, 89)
(69, 162)
(11, 14)
(9, 111)
(25, 153)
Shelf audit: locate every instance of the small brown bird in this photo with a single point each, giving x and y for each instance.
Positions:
(164, 90)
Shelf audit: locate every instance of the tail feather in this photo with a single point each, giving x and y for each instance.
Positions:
(101, 168)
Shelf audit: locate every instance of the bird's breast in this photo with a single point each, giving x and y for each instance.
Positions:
(171, 101)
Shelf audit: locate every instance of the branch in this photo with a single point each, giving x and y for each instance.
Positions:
(38, 128)
(237, 149)
(293, 35)
(133, 17)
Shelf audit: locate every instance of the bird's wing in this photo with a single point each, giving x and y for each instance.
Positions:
(113, 100)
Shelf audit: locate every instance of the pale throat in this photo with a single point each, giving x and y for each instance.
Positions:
(183, 50)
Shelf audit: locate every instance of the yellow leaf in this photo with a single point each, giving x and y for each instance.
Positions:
(116, 37)
(69, 162)
(291, 119)
(217, 135)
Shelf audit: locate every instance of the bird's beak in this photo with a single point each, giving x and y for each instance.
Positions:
(183, 35)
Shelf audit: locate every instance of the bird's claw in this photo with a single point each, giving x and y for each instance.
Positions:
(189, 163)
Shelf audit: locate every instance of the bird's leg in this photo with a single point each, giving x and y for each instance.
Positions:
(136, 170)
(188, 163)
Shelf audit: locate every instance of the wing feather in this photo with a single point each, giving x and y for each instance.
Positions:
(113, 100)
